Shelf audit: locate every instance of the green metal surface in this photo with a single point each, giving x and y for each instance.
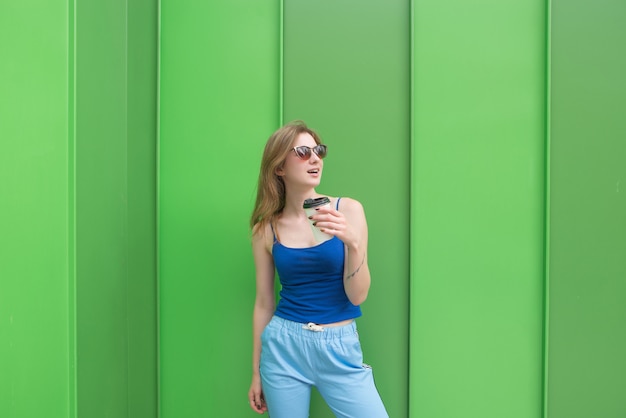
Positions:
(346, 73)
(78, 330)
(587, 339)
(35, 318)
(477, 216)
(435, 117)
(141, 131)
(101, 209)
(218, 105)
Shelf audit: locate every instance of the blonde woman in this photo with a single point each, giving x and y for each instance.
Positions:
(309, 338)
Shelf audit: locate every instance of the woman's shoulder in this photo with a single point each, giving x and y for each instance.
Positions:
(348, 204)
(263, 234)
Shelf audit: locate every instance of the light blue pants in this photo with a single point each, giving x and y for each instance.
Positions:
(294, 359)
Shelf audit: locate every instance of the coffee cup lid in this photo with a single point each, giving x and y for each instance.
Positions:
(313, 203)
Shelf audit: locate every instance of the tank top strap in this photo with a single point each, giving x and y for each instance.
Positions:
(273, 233)
(337, 204)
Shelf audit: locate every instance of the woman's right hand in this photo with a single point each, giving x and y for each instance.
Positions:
(255, 395)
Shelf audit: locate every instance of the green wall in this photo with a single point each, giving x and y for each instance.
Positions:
(219, 100)
(486, 143)
(586, 373)
(36, 353)
(78, 266)
(477, 209)
(141, 218)
(101, 229)
(115, 198)
(448, 121)
(347, 74)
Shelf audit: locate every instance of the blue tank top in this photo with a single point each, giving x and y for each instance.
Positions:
(312, 283)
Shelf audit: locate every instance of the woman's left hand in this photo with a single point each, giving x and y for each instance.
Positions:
(332, 222)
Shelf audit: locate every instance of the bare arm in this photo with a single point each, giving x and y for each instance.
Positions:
(264, 305)
(350, 226)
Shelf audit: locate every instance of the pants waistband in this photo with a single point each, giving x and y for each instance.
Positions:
(311, 330)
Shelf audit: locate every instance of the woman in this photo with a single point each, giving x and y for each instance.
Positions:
(310, 338)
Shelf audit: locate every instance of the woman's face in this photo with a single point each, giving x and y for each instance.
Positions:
(301, 171)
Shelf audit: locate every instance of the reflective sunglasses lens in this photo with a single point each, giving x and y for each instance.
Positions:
(320, 151)
(303, 152)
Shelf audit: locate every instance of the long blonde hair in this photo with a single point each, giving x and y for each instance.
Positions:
(270, 197)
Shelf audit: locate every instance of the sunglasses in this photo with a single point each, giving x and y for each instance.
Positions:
(304, 153)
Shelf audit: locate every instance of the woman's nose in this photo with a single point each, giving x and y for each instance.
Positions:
(314, 158)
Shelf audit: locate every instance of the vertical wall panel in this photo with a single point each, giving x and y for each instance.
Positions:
(587, 339)
(218, 104)
(35, 318)
(477, 209)
(101, 203)
(64, 275)
(115, 187)
(346, 73)
(141, 76)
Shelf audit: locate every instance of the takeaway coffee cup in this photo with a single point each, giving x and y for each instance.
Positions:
(309, 207)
